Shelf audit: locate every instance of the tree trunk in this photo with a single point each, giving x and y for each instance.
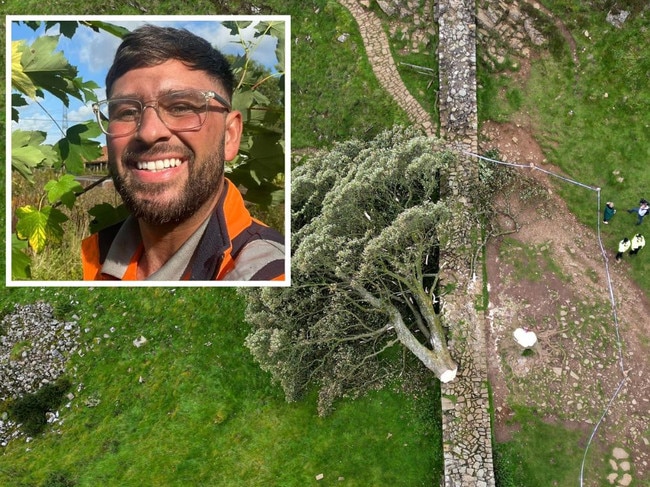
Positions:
(437, 360)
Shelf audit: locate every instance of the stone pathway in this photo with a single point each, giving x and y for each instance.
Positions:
(383, 65)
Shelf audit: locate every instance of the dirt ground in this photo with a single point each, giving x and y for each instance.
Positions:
(587, 346)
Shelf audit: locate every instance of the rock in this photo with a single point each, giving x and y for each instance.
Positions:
(525, 338)
(138, 342)
(617, 19)
(50, 343)
(625, 481)
(620, 454)
(386, 7)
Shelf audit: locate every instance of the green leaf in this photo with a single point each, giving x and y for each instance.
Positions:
(235, 27)
(39, 227)
(67, 28)
(78, 146)
(104, 215)
(20, 261)
(19, 80)
(28, 152)
(64, 190)
(243, 100)
(49, 69)
(116, 30)
(17, 100)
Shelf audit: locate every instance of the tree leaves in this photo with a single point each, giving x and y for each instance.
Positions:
(366, 220)
(104, 215)
(20, 262)
(39, 227)
(47, 69)
(19, 79)
(28, 152)
(78, 146)
(63, 190)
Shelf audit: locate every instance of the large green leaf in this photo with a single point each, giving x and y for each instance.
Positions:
(49, 69)
(39, 227)
(28, 152)
(19, 80)
(20, 261)
(64, 190)
(104, 215)
(78, 146)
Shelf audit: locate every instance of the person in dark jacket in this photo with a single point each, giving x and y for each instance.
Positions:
(609, 212)
(641, 211)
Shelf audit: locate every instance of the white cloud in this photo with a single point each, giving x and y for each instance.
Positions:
(96, 50)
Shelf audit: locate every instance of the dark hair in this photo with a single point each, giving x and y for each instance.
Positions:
(151, 45)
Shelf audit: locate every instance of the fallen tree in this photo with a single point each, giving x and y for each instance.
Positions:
(369, 225)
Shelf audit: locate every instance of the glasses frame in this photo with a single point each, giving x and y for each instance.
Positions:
(209, 95)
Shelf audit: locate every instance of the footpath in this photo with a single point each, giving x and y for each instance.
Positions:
(467, 434)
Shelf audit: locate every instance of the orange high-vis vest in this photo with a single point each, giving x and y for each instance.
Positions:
(234, 247)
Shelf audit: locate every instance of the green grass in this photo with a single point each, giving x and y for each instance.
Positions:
(190, 407)
(595, 127)
(530, 262)
(542, 453)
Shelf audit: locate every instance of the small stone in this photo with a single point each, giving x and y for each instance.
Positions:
(620, 454)
(626, 480)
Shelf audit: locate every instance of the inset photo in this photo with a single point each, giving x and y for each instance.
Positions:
(148, 151)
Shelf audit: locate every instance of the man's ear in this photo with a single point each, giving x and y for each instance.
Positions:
(233, 131)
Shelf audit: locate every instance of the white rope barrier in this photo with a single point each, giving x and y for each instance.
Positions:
(609, 285)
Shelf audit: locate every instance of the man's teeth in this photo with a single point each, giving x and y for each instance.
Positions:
(158, 165)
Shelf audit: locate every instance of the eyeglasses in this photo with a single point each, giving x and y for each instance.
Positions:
(179, 110)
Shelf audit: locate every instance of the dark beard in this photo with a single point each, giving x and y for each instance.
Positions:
(203, 183)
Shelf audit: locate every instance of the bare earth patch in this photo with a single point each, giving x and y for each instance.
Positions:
(581, 357)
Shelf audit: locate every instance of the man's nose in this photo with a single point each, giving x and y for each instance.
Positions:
(151, 127)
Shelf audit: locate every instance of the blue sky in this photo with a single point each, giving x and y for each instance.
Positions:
(92, 53)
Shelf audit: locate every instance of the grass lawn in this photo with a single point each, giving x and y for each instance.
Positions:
(190, 407)
(594, 124)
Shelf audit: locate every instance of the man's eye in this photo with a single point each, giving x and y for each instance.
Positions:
(125, 114)
(180, 109)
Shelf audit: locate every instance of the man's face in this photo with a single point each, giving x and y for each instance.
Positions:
(165, 176)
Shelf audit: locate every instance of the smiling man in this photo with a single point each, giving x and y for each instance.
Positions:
(169, 128)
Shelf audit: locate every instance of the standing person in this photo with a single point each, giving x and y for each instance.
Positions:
(609, 212)
(638, 242)
(623, 246)
(641, 210)
(187, 220)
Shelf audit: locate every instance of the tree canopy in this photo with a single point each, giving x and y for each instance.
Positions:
(369, 224)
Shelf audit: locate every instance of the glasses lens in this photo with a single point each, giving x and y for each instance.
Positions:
(120, 116)
(183, 110)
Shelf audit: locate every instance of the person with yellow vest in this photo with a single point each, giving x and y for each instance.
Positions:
(638, 242)
(623, 246)
(187, 221)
